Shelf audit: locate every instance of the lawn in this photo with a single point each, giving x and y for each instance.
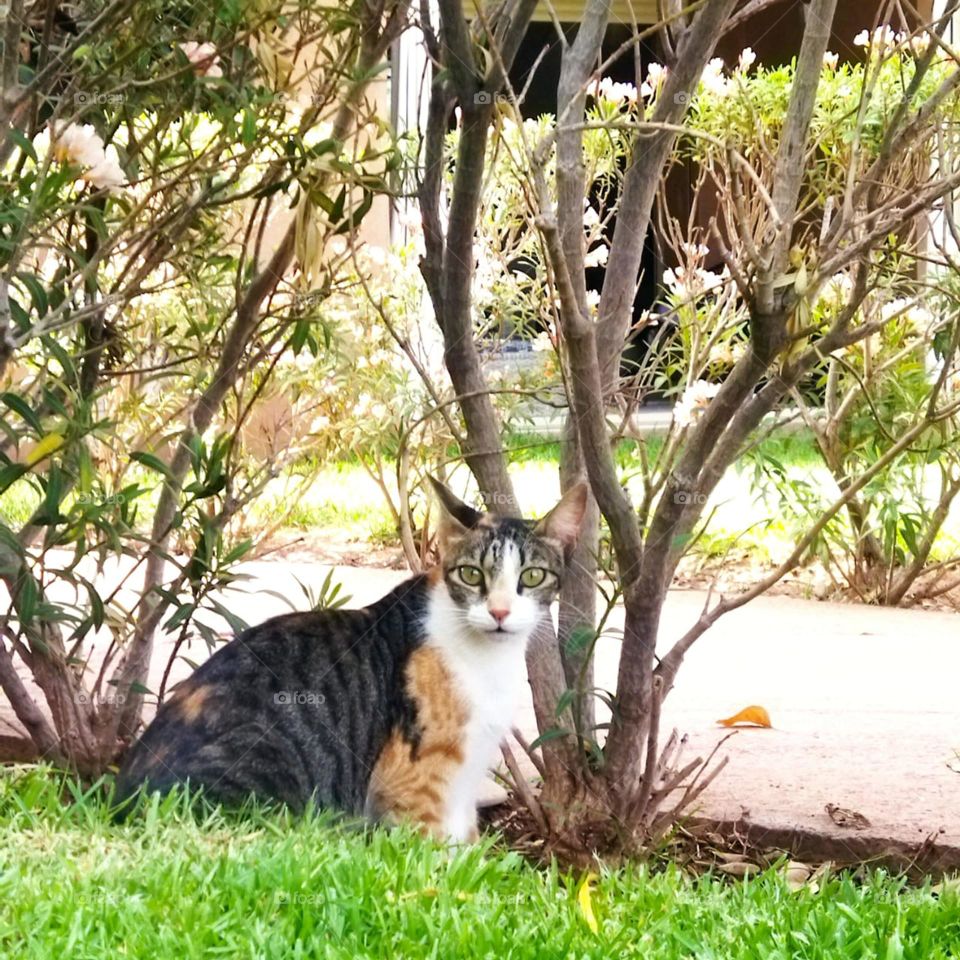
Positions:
(73, 885)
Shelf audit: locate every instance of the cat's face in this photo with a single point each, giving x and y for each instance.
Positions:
(502, 574)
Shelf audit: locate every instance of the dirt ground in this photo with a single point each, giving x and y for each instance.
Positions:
(863, 700)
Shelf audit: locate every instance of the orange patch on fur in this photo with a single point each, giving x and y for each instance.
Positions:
(410, 782)
(189, 701)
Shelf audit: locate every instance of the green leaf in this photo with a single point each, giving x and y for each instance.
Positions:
(10, 474)
(248, 128)
(553, 733)
(22, 142)
(909, 533)
(21, 407)
(37, 293)
(152, 462)
(97, 613)
(27, 597)
(236, 552)
(580, 639)
(237, 624)
(563, 702)
(183, 612)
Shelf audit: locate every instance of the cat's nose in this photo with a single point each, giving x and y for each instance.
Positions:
(499, 614)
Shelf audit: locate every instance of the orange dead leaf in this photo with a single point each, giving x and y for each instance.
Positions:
(758, 716)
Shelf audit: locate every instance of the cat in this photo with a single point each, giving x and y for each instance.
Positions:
(394, 711)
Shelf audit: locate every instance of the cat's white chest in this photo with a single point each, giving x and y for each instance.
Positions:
(490, 675)
(491, 678)
(491, 685)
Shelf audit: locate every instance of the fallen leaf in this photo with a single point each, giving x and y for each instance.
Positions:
(947, 885)
(844, 817)
(797, 875)
(583, 899)
(758, 716)
(731, 857)
(739, 869)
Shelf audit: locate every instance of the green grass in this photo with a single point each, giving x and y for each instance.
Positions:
(74, 885)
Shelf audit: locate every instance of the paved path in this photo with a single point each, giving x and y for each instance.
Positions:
(865, 702)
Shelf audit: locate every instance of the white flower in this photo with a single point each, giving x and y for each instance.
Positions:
(883, 40)
(674, 278)
(830, 60)
(375, 254)
(203, 58)
(696, 398)
(81, 146)
(695, 251)
(713, 79)
(920, 43)
(721, 354)
(409, 218)
(690, 282)
(607, 89)
(542, 342)
(656, 74)
(76, 144)
(838, 287)
(916, 317)
(747, 59)
(337, 245)
(597, 257)
(107, 173)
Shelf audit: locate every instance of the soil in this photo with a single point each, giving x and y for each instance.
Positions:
(736, 849)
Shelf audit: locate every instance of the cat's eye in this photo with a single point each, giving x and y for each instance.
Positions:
(533, 577)
(471, 576)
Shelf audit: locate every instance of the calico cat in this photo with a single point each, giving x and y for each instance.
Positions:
(394, 711)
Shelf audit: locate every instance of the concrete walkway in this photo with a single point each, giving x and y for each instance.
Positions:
(865, 703)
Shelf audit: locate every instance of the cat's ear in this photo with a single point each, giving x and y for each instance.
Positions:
(456, 517)
(562, 523)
